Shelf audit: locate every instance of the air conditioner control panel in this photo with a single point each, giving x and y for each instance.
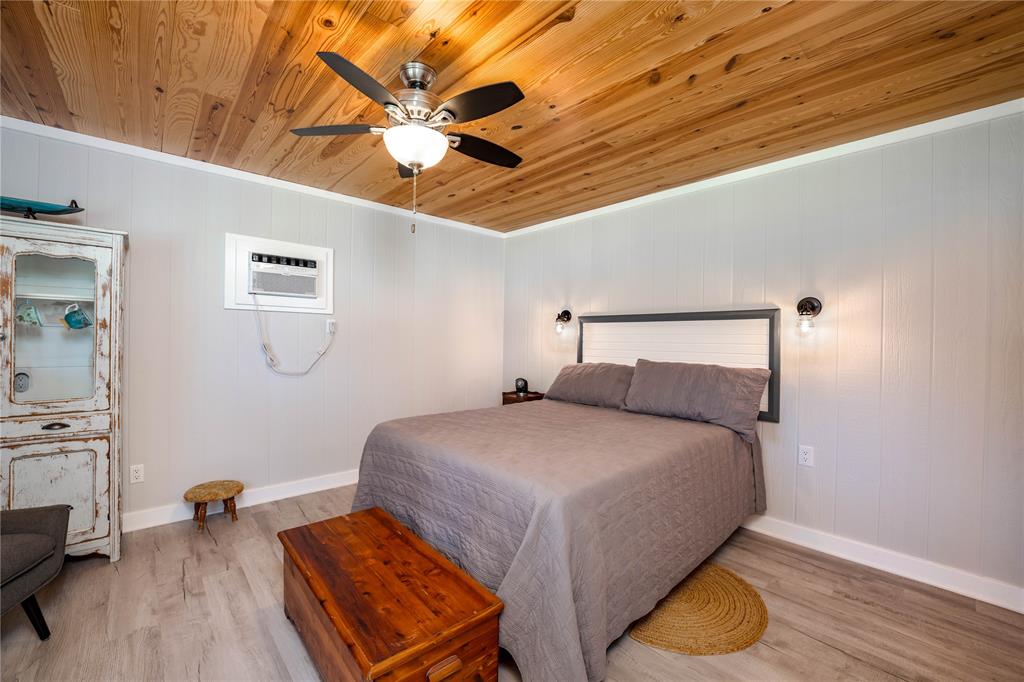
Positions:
(281, 260)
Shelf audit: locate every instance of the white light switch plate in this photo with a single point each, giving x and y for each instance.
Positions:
(136, 473)
(805, 456)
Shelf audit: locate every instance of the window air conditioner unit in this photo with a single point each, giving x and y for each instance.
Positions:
(273, 275)
(278, 276)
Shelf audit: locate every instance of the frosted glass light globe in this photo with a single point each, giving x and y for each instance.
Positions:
(415, 146)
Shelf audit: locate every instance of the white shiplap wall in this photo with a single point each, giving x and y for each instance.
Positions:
(910, 390)
(419, 318)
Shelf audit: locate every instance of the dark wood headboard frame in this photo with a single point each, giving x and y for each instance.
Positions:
(770, 314)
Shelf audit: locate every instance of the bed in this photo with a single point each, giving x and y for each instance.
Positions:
(579, 517)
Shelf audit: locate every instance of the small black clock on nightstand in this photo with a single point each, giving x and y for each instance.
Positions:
(522, 394)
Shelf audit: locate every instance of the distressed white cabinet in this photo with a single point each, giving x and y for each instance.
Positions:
(61, 321)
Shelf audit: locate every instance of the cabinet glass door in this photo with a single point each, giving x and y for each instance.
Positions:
(59, 341)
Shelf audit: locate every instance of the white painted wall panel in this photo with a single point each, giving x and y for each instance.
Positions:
(517, 289)
(555, 278)
(716, 222)
(603, 256)
(858, 350)
(419, 319)
(750, 201)
(110, 187)
(63, 171)
(19, 165)
(640, 258)
(910, 387)
(1002, 493)
(148, 377)
(960, 360)
(906, 346)
(817, 412)
(780, 209)
(664, 249)
(682, 214)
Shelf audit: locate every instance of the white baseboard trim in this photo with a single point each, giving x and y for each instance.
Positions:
(922, 570)
(158, 516)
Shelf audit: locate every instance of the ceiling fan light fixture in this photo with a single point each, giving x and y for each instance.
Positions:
(415, 146)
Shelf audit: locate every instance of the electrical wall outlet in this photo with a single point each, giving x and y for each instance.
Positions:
(332, 327)
(805, 456)
(136, 473)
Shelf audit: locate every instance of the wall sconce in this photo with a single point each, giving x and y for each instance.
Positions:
(807, 309)
(562, 319)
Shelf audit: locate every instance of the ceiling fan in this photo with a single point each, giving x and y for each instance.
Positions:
(416, 136)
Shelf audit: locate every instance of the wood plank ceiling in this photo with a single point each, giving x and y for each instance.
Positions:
(622, 98)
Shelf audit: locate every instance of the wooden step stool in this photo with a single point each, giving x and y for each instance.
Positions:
(371, 601)
(213, 491)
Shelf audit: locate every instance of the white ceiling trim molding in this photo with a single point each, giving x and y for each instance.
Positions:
(6, 122)
(930, 128)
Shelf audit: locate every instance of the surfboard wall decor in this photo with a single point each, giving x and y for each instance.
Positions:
(28, 208)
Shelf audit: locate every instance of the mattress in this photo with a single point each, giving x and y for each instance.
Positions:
(580, 518)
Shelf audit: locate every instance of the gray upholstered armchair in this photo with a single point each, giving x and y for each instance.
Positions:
(31, 555)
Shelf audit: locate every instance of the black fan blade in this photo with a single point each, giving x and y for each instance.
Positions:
(359, 79)
(484, 101)
(404, 171)
(348, 129)
(488, 152)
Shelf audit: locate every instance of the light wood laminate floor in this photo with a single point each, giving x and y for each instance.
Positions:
(185, 606)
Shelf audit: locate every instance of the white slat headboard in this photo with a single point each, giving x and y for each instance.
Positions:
(734, 338)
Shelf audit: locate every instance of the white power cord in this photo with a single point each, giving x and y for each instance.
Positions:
(268, 351)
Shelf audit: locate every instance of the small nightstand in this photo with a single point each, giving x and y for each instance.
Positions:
(511, 397)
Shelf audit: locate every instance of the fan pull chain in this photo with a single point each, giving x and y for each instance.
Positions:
(415, 174)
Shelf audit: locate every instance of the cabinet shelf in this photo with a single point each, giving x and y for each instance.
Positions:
(70, 296)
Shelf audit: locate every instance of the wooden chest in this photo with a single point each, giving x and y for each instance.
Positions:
(372, 601)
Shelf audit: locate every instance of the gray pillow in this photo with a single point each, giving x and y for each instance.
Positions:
(727, 396)
(592, 383)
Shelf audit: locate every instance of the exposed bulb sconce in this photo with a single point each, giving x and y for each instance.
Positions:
(562, 319)
(807, 309)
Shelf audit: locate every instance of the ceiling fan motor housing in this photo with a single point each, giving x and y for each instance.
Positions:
(417, 75)
(419, 104)
(417, 99)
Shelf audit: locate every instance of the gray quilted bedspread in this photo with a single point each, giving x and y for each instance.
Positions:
(580, 518)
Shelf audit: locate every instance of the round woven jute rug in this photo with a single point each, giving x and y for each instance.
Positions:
(713, 611)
